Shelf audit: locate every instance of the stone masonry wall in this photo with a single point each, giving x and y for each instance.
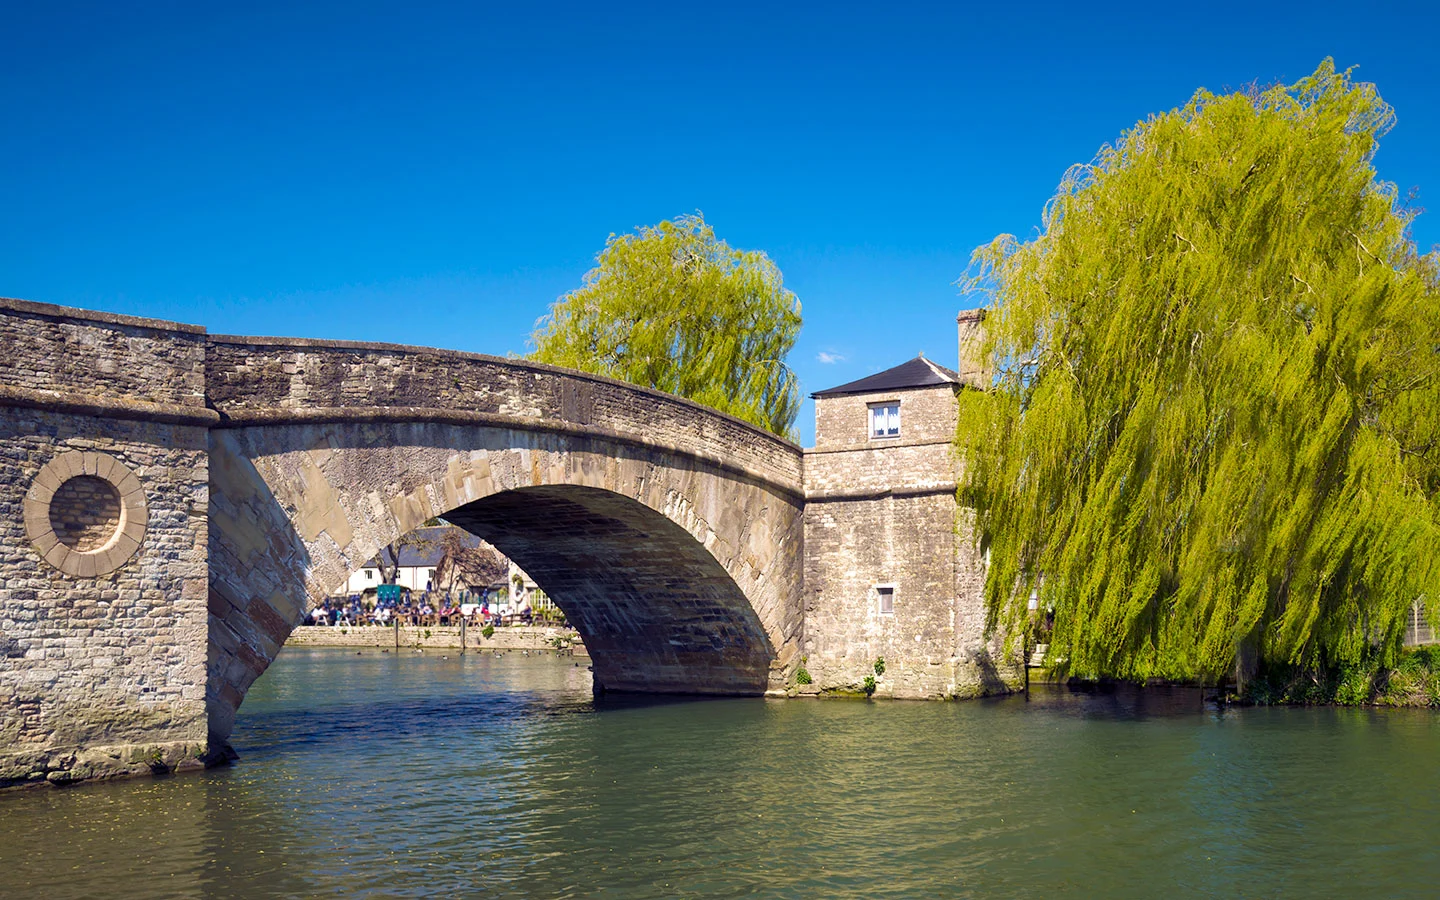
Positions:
(257, 380)
(54, 350)
(927, 416)
(101, 675)
(879, 470)
(507, 639)
(883, 512)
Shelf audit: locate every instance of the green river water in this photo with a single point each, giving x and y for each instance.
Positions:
(415, 775)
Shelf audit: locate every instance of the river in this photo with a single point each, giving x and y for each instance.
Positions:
(418, 775)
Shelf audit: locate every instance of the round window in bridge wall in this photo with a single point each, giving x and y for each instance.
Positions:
(85, 513)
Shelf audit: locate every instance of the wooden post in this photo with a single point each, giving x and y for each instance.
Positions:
(1025, 662)
(463, 623)
(396, 622)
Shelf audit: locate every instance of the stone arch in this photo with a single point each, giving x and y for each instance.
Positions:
(295, 507)
(654, 607)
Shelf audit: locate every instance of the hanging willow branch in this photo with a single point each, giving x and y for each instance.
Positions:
(1212, 429)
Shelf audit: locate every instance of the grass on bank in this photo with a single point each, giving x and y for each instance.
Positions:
(1414, 681)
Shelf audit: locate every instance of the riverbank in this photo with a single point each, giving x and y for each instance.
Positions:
(527, 638)
(1413, 682)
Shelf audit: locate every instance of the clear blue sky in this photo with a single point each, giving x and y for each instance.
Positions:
(438, 174)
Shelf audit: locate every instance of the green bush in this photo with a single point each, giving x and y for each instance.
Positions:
(487, 631)
(802, 676)
(1353, 688)
(869, 686)
(1414, 680)
(879, 666)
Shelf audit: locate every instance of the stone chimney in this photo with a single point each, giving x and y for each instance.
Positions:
(974, 369)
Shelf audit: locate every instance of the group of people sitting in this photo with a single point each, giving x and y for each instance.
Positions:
(419, 611)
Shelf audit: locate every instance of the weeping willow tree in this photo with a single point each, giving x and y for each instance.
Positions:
(1212, 434)
(674, 307)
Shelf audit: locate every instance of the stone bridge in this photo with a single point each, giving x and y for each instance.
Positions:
(171, 502)
(668, 533)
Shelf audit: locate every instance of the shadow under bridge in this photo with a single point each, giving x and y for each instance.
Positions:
(657, 612)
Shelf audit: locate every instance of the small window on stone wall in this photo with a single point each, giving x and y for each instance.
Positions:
(885, 420)
(887, 598)
(85, 513)
(369, 574)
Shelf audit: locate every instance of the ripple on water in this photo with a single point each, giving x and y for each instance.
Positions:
(386, 775)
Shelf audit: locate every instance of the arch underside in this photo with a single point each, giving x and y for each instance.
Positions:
(680, 576)
(657, 612)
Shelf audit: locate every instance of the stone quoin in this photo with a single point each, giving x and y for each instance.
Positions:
(173, 502)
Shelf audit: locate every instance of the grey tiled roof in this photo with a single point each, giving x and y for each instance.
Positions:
(918, 372)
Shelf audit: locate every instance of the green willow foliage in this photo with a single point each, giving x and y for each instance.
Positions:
(673, 307)
(1213, 430)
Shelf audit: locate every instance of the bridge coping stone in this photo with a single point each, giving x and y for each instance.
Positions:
(55, 311)
(255, 381)
(517, 363)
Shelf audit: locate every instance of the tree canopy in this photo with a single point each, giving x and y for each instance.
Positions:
(1214, 429)
(675, 308)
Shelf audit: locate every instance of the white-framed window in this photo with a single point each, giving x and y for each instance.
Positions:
(885, 419)
(886, 599)
(369, 574)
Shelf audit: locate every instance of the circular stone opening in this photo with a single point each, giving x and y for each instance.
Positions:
(85, 513)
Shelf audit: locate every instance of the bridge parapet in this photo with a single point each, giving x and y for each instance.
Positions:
(259, 381)
(94, 363)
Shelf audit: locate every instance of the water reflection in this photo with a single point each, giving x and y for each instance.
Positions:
(1116, 701)
(384, 775)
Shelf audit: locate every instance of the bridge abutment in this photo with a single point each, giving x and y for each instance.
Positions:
(103, 531)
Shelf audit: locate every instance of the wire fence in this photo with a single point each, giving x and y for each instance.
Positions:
(1419, 630)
